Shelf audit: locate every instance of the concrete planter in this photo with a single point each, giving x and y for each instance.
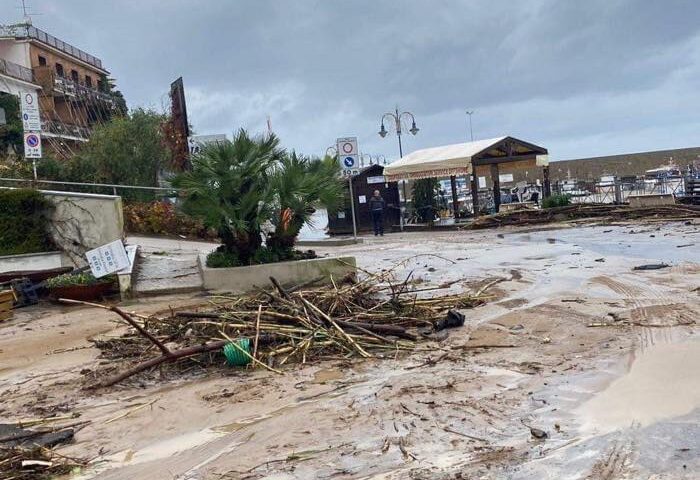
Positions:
(245, 279)
(33, 261)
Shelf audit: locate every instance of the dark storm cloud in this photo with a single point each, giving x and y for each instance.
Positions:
(580, 77)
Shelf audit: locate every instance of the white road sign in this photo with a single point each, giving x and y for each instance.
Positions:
(347, 146)
(32, 145)
(31, 121)
(108, 258)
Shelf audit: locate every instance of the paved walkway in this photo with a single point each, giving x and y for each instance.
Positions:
(167, 265)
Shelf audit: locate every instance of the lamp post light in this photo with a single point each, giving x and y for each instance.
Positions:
(396, 117)
(331, 151)
(471, 131)
(362, 159)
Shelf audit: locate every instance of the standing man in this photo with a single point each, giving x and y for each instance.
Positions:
(376, 208)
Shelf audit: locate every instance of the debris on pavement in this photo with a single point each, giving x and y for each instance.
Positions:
(374, 317)
(585, 211)
(651, 266)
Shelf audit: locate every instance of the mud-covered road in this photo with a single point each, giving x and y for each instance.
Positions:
(573, 342)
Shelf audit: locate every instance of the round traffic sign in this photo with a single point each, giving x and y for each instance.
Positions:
(349, 161)
(29, 98)
(32, 140)
(347, 147)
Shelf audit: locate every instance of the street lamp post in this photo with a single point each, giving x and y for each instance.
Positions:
(471, 131)
(396, 117)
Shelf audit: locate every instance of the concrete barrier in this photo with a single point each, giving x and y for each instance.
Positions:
(34, 261)
(245, 279)
(651, 200)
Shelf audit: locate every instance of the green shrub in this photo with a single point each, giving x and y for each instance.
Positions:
(222, 260)
(162, 218)
(556, 201)
(24, 222)
(85, 278)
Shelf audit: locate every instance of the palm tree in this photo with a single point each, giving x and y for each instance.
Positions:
(301, 185)
(229, 188)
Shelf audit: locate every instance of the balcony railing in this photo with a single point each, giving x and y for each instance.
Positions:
(28, 31)
(61, 129)
(71, 87)
(16, 71)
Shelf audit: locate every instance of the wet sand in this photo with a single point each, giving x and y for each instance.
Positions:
(617, 401)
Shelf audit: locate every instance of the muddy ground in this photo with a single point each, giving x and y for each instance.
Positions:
(620, 399)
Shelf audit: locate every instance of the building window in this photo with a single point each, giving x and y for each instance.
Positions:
(42, 61)
(88, 81)
(74, 76)
(59, 70)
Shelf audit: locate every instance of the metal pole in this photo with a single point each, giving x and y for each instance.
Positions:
(471, 131)
(34, 167)
(352, 209)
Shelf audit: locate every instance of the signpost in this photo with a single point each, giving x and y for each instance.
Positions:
(31, 123)
(108, 258)
(348, 155)
(32, 148)
(349, 160)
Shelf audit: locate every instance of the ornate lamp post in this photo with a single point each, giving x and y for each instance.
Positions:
(396, 117)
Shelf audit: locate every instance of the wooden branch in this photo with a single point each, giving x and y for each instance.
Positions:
(336, 326)
(281, 289)
(127, 318)
(257, 332)
(174, 355)
(141, 330)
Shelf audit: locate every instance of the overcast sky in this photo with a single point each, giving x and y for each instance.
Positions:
(582, 78)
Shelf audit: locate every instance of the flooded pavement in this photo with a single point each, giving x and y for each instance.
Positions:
(573, 342)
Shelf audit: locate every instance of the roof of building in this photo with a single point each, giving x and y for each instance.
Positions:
(456, 159)
(27, 31)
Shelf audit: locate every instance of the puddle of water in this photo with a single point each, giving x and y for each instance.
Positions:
(662, 383)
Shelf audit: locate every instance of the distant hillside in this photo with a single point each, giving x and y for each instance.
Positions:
(627, 164)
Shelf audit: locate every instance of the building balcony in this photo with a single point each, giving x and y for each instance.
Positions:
(70, 87)
(56, 129)
(16, 71)
(53, 84)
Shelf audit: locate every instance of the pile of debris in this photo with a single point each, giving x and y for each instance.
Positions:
(19, 463)
(27, 454)
(374, 317)
(586, 211)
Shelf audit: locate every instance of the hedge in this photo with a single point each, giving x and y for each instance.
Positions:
(24, 222)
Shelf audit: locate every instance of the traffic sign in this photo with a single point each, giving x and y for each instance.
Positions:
(32, 145)
(349, 161)
(347, 146)
(31, 121)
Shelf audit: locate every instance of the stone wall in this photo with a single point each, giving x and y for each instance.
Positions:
(83, 221)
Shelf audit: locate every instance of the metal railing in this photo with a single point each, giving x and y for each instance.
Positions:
(71, 87)
(618, 190)
(16, 71)
(23, 30)
(90, 187)
(61, 129)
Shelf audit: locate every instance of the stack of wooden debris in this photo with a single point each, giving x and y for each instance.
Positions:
(584, 212)
(7, 300)
(374, 317)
